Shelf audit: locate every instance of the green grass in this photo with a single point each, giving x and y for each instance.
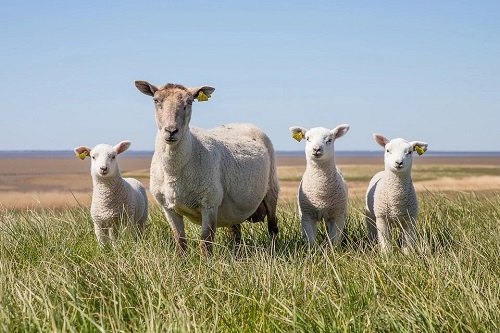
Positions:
(54, 278)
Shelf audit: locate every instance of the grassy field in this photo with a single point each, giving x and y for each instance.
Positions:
(54, 278)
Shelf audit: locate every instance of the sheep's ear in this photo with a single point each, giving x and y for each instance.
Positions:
(146, 87)
(122, 146)
(202, 94)
(380, 139)
(298, 132)
(82, 152)
(419, 146)
(340, 131)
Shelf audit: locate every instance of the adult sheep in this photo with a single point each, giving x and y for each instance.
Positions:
(215, 178)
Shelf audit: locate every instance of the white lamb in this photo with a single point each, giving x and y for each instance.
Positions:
(215, 178)
(391, 200)
(323, 190)
(116, 201)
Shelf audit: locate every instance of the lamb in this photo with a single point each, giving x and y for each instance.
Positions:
(322, 191)
(391, 200)
(115, 200)
(215, 178)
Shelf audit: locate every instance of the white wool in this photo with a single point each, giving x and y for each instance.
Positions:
(391, 201)
(215, 178)
(115, 200)
(322, 191)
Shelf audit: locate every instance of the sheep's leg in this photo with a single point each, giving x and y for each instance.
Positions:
(177, 225)
(208, 226)
(235, 234)
(272, 220)
(383, 233)
(309, 229)
(335, 227)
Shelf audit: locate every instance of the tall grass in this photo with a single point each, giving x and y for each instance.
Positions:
(54, 278)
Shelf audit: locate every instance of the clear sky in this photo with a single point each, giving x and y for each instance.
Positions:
(421, 70)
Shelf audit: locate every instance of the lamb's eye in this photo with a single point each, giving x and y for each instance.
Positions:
(93, 157)
(113, 157)
(387, 150)
(409, 152)
(329, 141)
(307, 138)
(156, 101)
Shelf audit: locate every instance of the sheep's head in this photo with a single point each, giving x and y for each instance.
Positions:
(103, 158)
(173, 104)
(398, 152)
(319, 140)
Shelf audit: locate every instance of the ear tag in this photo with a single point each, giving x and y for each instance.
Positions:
(297, 136)
(202, 97)
(419, 150)
(82, 155)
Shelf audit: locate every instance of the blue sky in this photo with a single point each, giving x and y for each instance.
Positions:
(421, 70)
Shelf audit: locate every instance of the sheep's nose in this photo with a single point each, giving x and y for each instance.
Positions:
(399, 164)
(104, 168)
(170, 131)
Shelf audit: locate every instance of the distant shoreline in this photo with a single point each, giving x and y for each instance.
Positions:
(299, 153)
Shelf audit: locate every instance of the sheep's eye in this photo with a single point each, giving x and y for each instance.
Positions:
(329, 141)
(185, 107)
(387, 150)
(93, 157)
(307, 138)
(156, 100)
(409, 152)
(113, 157)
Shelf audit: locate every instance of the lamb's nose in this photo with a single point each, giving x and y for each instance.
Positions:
(104, 168)
(399, 164)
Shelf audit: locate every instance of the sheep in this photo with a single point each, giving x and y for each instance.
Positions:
(391, 200)
(322, 193)
(214, 178)
(114, 199)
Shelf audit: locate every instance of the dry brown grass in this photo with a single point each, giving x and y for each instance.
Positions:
(63, 182)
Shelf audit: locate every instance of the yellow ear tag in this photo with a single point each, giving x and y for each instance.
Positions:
(82, 155)
(297, 136)
(419, 150)
(202, 97)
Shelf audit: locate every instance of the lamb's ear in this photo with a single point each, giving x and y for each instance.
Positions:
(202, 93)
(419, 146)
(380, 139)
(82, 152)
(298, 132)
(340, 131)
(122, 146)
(146, 87)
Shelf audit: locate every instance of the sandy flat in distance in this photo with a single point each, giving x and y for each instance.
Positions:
(61, 182)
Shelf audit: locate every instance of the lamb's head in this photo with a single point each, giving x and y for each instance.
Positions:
(319, 140)
(398, 156)
(173, 104)
(103, 158)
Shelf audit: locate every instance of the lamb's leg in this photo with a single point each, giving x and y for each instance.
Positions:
(407, 235)
(208, 226)
(383, 233)
(177, 225)
(371, 225)
(101, 235)
(335, 227)
(309, 229)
